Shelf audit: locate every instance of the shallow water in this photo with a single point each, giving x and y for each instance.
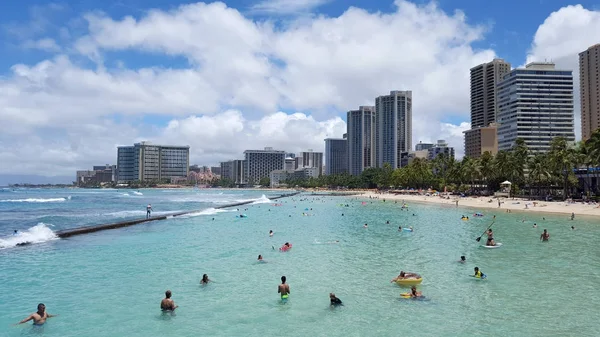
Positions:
(111, 282)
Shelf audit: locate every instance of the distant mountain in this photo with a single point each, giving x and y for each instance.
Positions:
(6, 179)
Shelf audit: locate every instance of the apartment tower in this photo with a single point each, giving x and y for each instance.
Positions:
(484, 103)
(393, 127)
(361, 139)
(336, 156)
(535, 104)
(589, 81)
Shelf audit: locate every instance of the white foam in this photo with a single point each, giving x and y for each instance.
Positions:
(262, 200)
(36, 234)
(36, 200)
(137, 193)
(125, 194)
(208, 211)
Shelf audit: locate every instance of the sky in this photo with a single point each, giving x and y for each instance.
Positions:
(79, 78)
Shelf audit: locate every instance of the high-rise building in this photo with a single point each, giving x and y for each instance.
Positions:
(589, 81)
(227, 170)
(484, 91)
(361, 139)
(259, 163)
(440, 147)
(238, 172)
(215, 170)
(393, 130)
(146, 161)
(336, 156)
(310, 159)
(535, 104)
(480, 140)
(290, 164)
(423, 146)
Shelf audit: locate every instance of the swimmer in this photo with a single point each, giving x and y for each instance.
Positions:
(404, 276)
(270, 233)
(213, 219)
(284, 289)
(479, 273)
(16, 232)
(411, 229)
(573, 227)
(39, 317)
(205, 279)
(534, 225)
(399, 228)
(334, 301)
(260, 259)
(365, 226)
(167, 304)
(545, 235)
(463, 259)
(414, 293)
(387, 222)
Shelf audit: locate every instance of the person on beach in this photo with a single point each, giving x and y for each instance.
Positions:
(148, 211)
(284, 290)
(545, 236)
(334, 301)
(463, 259)
(490, 239)
(39, 317)
(205, 280)
(572, 216)
(167, 304)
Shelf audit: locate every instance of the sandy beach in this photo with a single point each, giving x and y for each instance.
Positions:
(507, 204)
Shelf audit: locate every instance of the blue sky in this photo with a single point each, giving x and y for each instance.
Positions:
(77, 79)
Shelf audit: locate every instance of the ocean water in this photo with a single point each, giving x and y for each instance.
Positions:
(110, 283)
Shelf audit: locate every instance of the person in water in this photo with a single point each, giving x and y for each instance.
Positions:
(573, 227)
(366, 226)
(167, 304)
(404, 276)
(572, 216)
(39, 317)
(545, 235)
(284, 289)
(479, 273)
(334, 301)
(399, 228)
(271, 233)
(148, 211)
(260, 258)
(205, 279)
(463, 259)
(414, 293)
(490, 239)
(16, 232)
(534, 225)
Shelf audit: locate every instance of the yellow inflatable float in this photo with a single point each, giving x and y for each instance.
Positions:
(409, 281)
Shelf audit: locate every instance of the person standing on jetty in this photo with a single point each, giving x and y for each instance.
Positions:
(148, 211)
(39, 317)
(284, 290)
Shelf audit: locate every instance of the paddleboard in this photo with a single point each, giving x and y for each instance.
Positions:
(498, 245)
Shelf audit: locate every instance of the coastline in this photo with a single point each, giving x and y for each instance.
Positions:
(514, 205)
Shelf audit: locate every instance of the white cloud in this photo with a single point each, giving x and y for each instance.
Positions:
(286, 6)
(45, 44)
(239, 73)
(562, 36)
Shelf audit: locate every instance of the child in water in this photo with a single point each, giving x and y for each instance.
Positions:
(479, 273)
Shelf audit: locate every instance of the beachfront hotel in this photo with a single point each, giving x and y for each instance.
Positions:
(146, 161)
(259, 164)
(361, 139)
(336, 155)
(589, 81)
(309, 159)
(535, 104)
(484, 106)
(393, 127)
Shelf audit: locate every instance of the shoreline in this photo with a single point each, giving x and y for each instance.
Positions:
(515, 205)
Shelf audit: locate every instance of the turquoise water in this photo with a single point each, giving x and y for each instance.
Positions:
(111, 282)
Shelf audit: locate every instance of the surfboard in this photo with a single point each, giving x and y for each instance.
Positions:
(498, 245)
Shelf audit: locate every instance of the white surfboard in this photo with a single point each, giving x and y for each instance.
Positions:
(498, 245)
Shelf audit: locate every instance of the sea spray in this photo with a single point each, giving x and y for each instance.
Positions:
(37, 200)
(38, 233)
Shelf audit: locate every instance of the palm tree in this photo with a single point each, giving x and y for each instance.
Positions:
(486, 168)
(562, 159)
(538, 170)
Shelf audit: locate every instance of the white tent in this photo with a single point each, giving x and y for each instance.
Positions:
(506, 182)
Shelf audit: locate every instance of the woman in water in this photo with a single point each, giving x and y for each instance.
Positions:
(271, 233)
(404, 276)
(205, 280)
(490, 239)
(414, 293)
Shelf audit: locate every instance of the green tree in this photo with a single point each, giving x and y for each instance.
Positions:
(265, 182)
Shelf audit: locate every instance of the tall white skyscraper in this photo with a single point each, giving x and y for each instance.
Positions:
(259, 164)
(146, 161)
(393, 131)
(535, 104)
(589, 83)
(361, 139)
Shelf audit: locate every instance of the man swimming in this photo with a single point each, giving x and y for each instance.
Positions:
(39, 317)
(545, 235)
(366, 226)
(148, 211)
(334, 301)
(414, 293)
(205, 279)
(167, 304)
(463, 259)
(270, 233)
(284, 290)
(260, 258)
